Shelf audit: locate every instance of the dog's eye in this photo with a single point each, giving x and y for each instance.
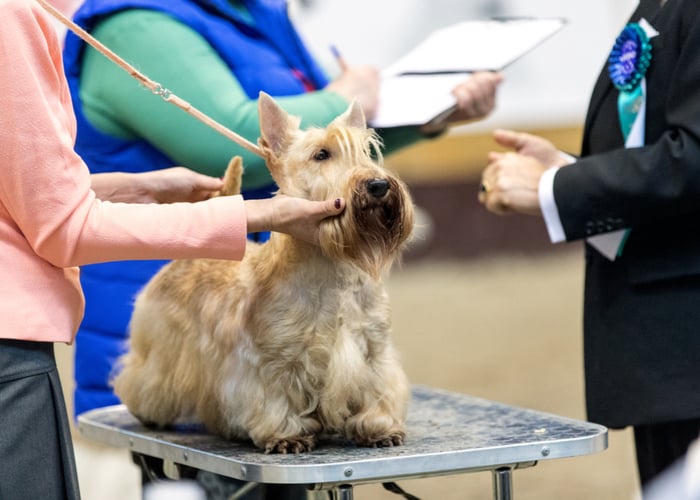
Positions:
(321, 155)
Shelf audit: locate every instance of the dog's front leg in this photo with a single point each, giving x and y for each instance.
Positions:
(288, 434)
(376, 427)
(380, 420)
(272, 414)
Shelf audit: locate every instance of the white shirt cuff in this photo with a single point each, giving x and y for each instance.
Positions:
(545, 192)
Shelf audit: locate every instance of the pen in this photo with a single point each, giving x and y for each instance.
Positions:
(339, 58)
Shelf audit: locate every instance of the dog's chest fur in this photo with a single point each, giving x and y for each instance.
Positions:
(328, 309)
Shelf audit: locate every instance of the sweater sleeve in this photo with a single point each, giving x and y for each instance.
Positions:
(183, 61)
(45, 194)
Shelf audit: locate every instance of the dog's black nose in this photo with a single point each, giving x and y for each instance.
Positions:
(378, 187)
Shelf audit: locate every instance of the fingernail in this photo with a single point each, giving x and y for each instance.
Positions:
(337, 203)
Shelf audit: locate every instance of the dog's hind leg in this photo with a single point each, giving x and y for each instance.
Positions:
(148, 410)
(148, 396)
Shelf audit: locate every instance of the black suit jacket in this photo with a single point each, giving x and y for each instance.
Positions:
(642, 311)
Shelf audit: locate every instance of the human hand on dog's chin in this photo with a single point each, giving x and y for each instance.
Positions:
(297, 217)
(168, 185)
(475, 99)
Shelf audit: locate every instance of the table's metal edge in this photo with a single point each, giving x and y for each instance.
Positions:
(355, 471)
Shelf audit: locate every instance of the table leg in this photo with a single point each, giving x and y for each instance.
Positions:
(342, 492)
(503, 484)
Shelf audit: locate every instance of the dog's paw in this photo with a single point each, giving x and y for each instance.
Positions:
(392, 439)
(297, 444)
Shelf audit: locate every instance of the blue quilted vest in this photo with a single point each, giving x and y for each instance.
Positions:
(269, 56)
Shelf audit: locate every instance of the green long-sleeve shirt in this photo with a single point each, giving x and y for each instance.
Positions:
(180, 59)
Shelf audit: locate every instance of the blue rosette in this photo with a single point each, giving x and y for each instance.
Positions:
(629, 58)
(628, 63)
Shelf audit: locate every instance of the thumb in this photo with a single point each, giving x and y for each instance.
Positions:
(212, 183)
(495, 156)
(330, 208)
(206, 182)
(506, 138)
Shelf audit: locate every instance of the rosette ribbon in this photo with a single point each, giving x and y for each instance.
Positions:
(628, 63)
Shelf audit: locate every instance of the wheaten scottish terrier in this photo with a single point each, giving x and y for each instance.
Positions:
(292, 343)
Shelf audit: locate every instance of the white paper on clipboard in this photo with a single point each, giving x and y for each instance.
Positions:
(417, 87)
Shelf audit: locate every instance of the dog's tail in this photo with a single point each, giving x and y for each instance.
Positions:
(232, 177)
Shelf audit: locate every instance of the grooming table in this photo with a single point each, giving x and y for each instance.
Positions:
(447, 433)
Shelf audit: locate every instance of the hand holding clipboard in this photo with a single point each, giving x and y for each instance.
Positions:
(417, 88)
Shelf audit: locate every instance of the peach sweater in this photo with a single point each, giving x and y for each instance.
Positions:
(50, 220)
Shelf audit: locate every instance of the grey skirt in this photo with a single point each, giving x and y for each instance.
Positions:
(36, 450)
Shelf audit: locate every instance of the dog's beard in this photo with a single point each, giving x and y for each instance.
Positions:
(372, 230)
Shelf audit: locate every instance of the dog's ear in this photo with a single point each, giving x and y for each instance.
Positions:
(353, 116)
(276, 125)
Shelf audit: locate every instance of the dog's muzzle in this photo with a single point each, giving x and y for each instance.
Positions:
(378, 187)
(380, 206)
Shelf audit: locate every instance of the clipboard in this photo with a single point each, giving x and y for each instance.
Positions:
(417, 87)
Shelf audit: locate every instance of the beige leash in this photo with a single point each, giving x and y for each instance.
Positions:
(154, 87)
